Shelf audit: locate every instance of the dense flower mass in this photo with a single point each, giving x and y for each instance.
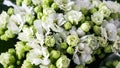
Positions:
(60, 33)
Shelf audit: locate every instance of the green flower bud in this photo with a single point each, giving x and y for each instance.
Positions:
(85, 27)
(63, 45)
(43, 18)
(39, 16)
(10, 11)
(55, 54)
(91, 60)
(27, 2)
(101, 56)
(87, 18)
(21, 48)
(18, 2)
(108, 49)
(98, 51)
(27, 64)
(11, 66)
(84, 11)
(63, 62)
(52, 66)
(118, 65)
(29, 19)
(108, 63)
(55, 6)
(9, 34)
(67, 25)
(115, 62)
(38, 9)
(70, 50)
(49, 41)
(18, 62)
(93, 10)
(4, 37)
(46, 3)
(82, 19)
(114, 15)
(97, 30)
(79, 66)
(72, 40)
(11, 51)
(1, 31)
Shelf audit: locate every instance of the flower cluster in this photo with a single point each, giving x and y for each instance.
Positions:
(60, 33)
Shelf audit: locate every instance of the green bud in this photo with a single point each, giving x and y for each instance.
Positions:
(10, 11)
(39, 15)
(21, 48)
(49, 41)
(38, 9)
(70, 50)
(29, 19)
(101, 55)
(9, 34)
(54, 6)
(1, 31)
(85, 27)
(11, 66)
(79, 66)
(67, 25)
(108, 63)
(27, 2)
(52, 66)
(108, 49)
(84, 11)
(27, 64)
(55, 54)
(18, 62)
(97, 30)
(63, 62)
(115, 62)
(98, 51)
(4, 37)
(11, 51)
(87, 18)
(43, 18)
(114, 15)
(82, 19)
(18, 2)
(72, 40)
(63, 45)
(93, 10)
(91, 60)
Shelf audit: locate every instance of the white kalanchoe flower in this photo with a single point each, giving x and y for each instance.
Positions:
(97, 18)
(113, 6)
(79, 4)
(108, 32)
(36, 2)
(13, 24)
(27, 34)
(65, 4)
(39, 56)
(73, 16)
(6, 59)
(3, 19)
